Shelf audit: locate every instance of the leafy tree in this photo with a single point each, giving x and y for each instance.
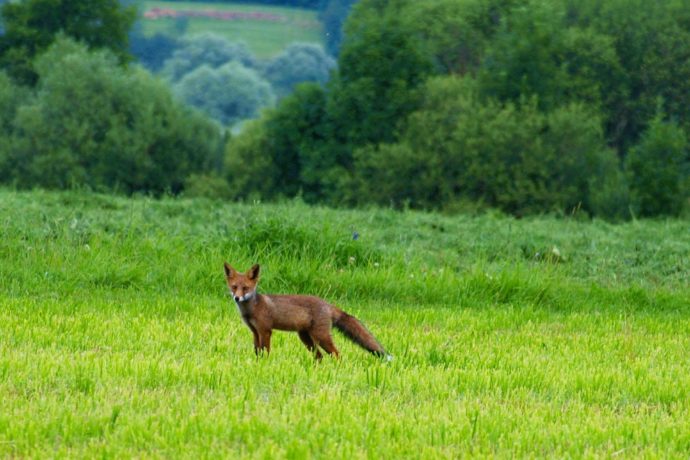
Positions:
(459, 148)
(287, 148)
(206, 49)
(153, 51)
(298, 63)
(11, 98)
(94, 123)
(249, 165)
(229, 93)
(658, 168)
(452, 33)
(32, 25)
(652, 43)
(381, 63)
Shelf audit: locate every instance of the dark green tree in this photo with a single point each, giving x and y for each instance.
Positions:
(658, 168)
(32, 25)
(287, 148)
(459, 148)
(381, 63)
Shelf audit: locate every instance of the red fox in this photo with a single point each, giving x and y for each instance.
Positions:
(311, 317)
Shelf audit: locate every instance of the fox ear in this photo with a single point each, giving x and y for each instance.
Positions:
(229, 271)
(253, 272)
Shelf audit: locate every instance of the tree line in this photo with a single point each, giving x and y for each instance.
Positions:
(527, 106)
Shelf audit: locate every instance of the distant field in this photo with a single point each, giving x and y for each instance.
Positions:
(267, 34)
(538, 337)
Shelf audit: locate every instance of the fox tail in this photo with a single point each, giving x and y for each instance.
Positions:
(354, 330)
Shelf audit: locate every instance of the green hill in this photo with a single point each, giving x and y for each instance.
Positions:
(266, 29)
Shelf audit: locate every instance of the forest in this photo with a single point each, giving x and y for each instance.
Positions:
(525, 106)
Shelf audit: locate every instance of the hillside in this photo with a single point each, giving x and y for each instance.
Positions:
(266, 29)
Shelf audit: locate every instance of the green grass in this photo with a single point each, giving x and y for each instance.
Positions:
(265, 39)
(117, 338)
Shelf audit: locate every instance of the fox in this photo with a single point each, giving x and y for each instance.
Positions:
(311, 317)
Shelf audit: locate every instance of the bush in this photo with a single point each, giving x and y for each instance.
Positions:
(208, 185)
(205, 49)
(658, 169)
(94, 123)
(228, 94)
(300, 62)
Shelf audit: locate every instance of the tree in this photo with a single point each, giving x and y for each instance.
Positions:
(205, 49)
(459, 148)
(229, 94)
(151, 51)
(12, 97)
(298, 63)
(658, 168)
(97, 124)
(381, 64)
(32, 25)
(652, 44)
(287, 148)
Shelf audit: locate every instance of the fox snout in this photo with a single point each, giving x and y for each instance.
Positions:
(242, 298)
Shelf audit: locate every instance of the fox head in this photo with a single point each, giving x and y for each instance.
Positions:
(242, 286)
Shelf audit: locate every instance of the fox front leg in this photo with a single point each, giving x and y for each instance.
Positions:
(265, 341)
(257, 341)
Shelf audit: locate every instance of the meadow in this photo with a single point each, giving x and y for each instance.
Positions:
(536, 337)
(265, 37)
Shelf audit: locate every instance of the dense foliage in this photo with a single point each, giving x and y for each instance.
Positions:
(31, 26)
(526, 105)
(91, 122)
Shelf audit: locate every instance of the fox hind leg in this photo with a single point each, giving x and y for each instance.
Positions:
(309, 343)
(325, 341)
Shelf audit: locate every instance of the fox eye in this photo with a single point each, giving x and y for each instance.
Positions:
(233, 287)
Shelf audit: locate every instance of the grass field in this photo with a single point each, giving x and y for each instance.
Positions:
(537, 337)
(265, 38)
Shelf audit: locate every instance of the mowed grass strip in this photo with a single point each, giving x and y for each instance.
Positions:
(265, 38)
(117, 338)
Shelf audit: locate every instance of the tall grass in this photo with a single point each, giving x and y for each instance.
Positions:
(533, 337)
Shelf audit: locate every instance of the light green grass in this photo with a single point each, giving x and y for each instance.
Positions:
(117, 338)
(265, 39)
